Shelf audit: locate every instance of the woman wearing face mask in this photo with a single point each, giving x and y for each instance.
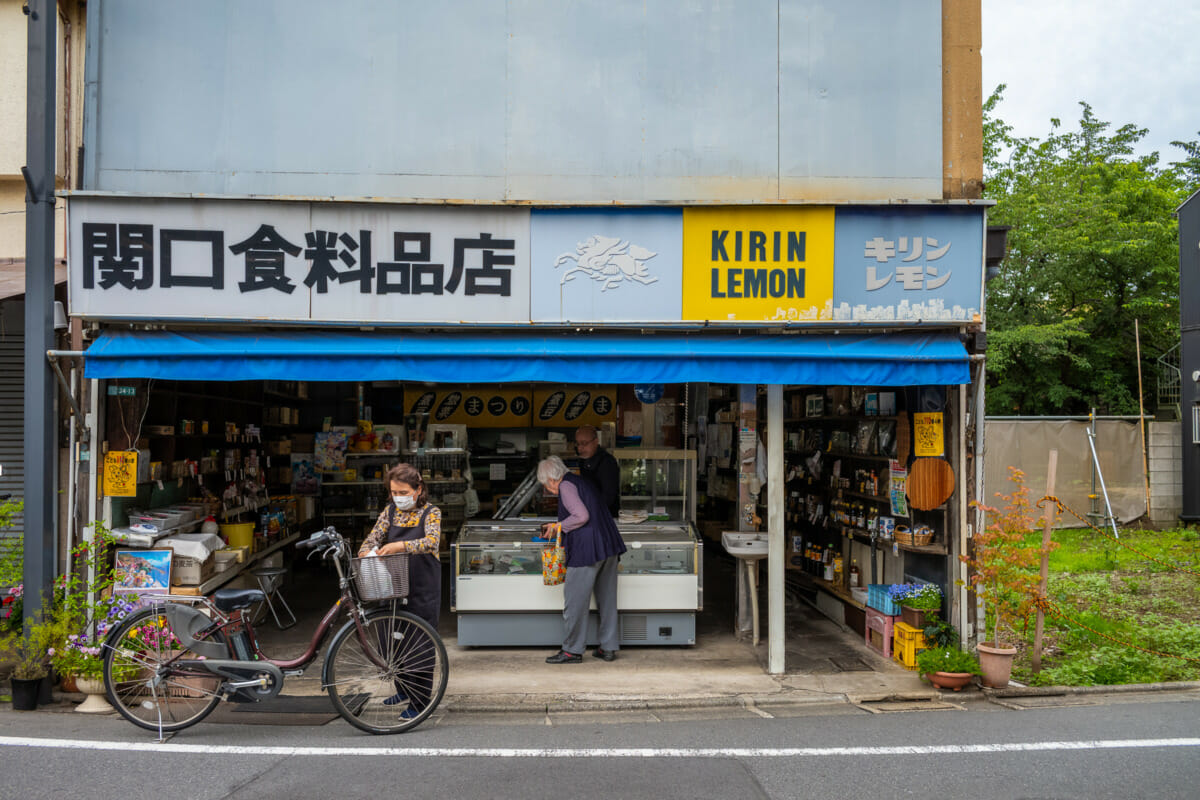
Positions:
(411, 525)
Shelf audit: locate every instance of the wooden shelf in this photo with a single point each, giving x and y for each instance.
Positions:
(225, 576)
(874, 497)
(860, 456)
(847, 418)
(837, 591)
(860, 535)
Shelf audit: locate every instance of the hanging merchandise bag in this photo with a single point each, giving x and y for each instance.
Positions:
(554, 560)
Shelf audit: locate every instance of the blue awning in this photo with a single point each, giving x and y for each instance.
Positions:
(895, 359)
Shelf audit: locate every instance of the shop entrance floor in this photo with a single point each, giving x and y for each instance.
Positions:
(824, 662)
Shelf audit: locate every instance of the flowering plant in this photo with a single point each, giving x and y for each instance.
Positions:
(82, 654)
(947, 659)
(919, 596)
(12, 607)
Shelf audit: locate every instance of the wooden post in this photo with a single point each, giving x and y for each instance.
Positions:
(1137, 337)
(1047, 525)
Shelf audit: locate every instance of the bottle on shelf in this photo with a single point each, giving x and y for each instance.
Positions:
(855, 575)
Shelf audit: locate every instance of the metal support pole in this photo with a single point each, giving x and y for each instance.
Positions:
(40, 450)
(776, 549)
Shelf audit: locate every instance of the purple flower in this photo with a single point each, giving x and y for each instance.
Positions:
(50, 652)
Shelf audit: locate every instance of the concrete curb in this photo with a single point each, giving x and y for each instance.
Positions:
(471, 704)
(1122, 688)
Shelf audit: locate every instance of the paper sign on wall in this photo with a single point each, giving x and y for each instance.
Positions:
(120, 473)
(927, 434)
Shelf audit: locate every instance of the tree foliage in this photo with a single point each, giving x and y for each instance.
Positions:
(1093, 246)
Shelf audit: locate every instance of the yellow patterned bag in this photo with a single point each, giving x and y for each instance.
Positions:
(554, 559)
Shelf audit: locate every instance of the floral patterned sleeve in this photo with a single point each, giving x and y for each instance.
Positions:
(378, 533)
(431, 542)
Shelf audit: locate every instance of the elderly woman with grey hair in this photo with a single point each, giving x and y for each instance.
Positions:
(593, 546)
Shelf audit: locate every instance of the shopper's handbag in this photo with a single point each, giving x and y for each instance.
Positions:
(554, 560)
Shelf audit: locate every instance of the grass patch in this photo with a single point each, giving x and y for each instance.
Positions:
(1106, 590)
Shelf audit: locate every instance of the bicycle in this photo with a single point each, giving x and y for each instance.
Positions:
(168, 664)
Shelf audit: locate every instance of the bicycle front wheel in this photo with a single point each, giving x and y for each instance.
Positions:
(144, 682)
(390, 677)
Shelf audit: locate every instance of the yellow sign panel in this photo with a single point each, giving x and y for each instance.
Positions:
(120, 473)
(927, 435)
(572, 406)
(758, 264)
(476, 407)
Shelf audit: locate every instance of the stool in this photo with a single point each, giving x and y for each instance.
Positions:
(267, 582)
(882, 624)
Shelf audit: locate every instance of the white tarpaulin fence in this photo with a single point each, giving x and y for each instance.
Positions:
(1026, 445)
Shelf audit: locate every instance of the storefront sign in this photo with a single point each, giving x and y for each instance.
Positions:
(377, 264)
(120, 473)
(602, 265)
(909, 264)
(479, 407)
(329, 262)
(758, 264)
(572, 406)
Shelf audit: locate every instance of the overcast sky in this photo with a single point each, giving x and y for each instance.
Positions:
(1133, 61)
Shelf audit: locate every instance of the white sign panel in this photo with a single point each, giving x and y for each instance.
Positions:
(247, 260)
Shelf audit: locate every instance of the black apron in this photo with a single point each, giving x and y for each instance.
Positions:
(424, 571)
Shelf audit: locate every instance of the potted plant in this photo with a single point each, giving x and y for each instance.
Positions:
(915, 601)
(948, 667)
(26, 651)
(1004, 559)
(84, 611)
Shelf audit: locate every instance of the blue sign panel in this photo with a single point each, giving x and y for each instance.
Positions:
(591, 265)
(920, 264)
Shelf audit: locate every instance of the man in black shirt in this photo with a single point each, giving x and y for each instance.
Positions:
(599, 467)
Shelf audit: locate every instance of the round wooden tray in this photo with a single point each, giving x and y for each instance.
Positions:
(930, 483)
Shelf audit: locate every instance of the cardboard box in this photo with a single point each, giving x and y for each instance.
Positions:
(190, 572)
(283, 447)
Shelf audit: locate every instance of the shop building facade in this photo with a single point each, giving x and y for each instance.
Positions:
(784, 196)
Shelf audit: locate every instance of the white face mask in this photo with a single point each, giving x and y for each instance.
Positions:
(404, 502)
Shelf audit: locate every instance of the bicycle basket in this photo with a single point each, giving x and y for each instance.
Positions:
(381, 577)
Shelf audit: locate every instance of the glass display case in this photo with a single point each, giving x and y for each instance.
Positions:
(660, 483)
(500, 599)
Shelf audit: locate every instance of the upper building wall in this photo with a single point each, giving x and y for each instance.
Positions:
(529, 101)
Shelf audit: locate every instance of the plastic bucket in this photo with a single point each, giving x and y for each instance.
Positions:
(239, 534)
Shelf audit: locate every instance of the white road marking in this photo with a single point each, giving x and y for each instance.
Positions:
(597, 752)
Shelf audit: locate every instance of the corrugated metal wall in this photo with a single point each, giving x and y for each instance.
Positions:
(592, 101)
(12, 404)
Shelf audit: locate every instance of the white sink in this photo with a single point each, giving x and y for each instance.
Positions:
(745, 545)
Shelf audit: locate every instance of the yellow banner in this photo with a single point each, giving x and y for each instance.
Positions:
(120, 473)
(927, 435)
(572, 406)
(476, 407)
(758, 264)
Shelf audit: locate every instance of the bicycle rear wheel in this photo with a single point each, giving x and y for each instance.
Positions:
(141, 679)
(390, 679)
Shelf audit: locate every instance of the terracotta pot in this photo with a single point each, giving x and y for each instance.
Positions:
(950, 680)
(996, 663)
(67, 684)
(96, 701)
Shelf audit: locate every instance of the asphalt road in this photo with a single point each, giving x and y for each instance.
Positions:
(1124, 746)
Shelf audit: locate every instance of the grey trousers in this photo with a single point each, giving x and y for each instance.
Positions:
(581, 582)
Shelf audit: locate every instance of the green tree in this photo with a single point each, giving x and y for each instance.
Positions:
(1093, 246)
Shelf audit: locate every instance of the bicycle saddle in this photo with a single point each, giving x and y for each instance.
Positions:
(233, 599)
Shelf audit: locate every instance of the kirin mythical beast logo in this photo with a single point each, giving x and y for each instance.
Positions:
(608, 259)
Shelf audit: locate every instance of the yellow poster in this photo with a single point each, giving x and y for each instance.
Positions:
(758, 264)
(572, 406)
(477, 407)
(120, 473)
(927, 435)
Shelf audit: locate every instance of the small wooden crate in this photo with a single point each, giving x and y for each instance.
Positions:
(879, 632)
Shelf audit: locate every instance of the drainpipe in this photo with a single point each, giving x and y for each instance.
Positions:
(40, 517)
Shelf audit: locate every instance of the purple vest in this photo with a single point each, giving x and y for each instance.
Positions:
(598, 539)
